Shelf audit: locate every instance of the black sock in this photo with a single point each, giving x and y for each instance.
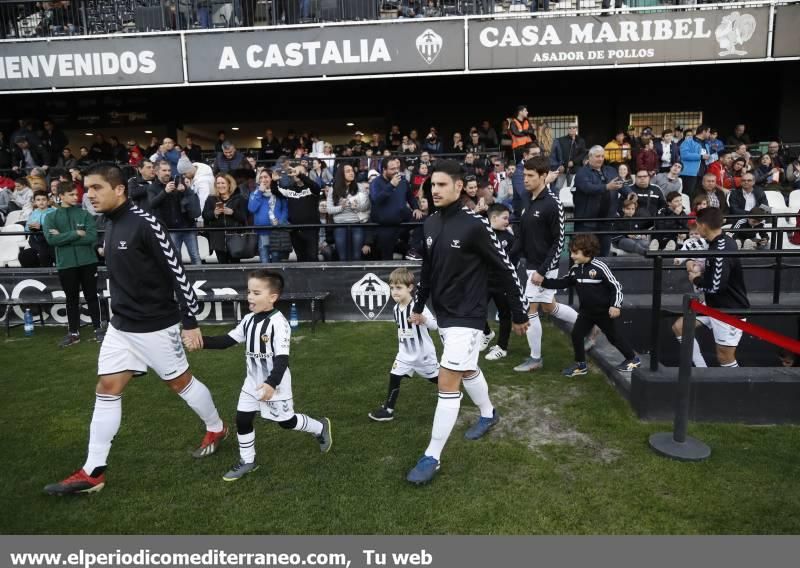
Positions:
(394, 390)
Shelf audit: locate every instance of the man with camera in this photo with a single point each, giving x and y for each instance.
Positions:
(177, 207)
(303, 195)
(392, 203)
(596, 195)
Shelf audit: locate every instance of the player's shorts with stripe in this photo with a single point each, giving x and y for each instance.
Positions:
(724, 334)
(426, 369)
(461, 348)
(275, 410)
(537, 294)
(160, 350)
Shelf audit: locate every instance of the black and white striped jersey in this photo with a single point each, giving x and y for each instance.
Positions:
(597, 287)
(415, 343)
(265, 335)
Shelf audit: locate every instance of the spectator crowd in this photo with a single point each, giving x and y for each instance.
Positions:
(375, 188)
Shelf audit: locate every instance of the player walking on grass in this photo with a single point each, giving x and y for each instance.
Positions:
(416, 353)
(267, 387)
(459, 253)
(146, 277)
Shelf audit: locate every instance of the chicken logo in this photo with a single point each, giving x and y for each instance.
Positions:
(735, 29)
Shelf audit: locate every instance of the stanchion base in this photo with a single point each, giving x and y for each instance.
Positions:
(691, 450)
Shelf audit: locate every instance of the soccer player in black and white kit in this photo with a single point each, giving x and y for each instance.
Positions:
(150, 295)
(267, 388)
(460, 250)
(416, 353)
(540, 242)
(722, 282)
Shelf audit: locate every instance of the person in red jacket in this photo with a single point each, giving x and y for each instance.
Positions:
(647, 159)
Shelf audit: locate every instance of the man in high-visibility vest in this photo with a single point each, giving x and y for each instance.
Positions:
(522, 133)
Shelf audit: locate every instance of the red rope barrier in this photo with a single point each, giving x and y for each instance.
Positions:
(792, 345)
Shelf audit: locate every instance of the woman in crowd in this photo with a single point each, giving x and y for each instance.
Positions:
(320, 173)
(347, 204)
(766, 173)
(224, 207)
(625, 174)
(269, 209)
(734, 181)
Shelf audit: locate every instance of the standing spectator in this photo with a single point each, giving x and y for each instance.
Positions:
(694, 155)
(392, 203)
(66, 161)
(153, 147)
(522, 133)
(193, 151)
(228, 159)
(100, 150)
(35, 228)
(521, 197)
(199, 177)
(671, 180)
(135, 153)
(270, 147)
(225, 207)
(320, 173)
(119, 154)
(220, 141)
(5, 153)
(376, 144)
(667, 151)
(168, 151)
(177, 207)
(624, 173)
(647, 159)
(715, 145)
(618, 150)
(72, 233)
(749, 196)
(348, 204)
(53, 142)
(475, 145)
(567, 156)
(269, 209)
(432, 143)
(394, 138)
(26, 157)
(777, 156)
(477, 199)
(140, 184)
(488, 135)
(546, 139)
(457, 147)
(738, 137)
(596, 195)
(303, 195)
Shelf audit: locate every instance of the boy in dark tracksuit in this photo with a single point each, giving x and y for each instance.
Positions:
(601, 300)
(499, 219)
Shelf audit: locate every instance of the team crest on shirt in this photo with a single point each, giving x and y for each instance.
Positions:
(123, 245)
(370, 294)
(429, 242)
(536, 213)
(592, 273)
(265, 338)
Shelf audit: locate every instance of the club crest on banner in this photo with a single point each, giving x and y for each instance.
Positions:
(370, 295)
(429, 45)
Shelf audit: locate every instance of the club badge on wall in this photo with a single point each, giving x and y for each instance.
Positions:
(370, 294)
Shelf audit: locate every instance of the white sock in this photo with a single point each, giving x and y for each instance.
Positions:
(105, 425)
(307, 424)
(697, 355)
(443, 421)
(478, 390)
(198, 397)
(534, 334)
(730, 365)
(565, 313)
(247, 447)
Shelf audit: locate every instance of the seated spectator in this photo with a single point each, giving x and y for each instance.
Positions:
(699, 203)
(22, 198)
(630, 226)
(675, 219)
(625, 175)
(347, 203)
(119, 154)
(224, 207)
(408, 146)
(649, 196)
(722, 168)
(670, 181)
(647, 159)
(714, 196)
(488, 135)
(26, 157)
(100, 150)
(477, 199)
(320, 173)
(793, 172)
(618, 150)
(304, 200)
(667, 151)
(777, 156)
(6, 191)
(392, 203)
(176, 206)
(228, 159)
(457, 147)
(432, 143)
(357, 144)
(475, 145)
(193, 151)
(749, 196)
(418, 177)
(596, 195)
(34, 227)
(85, 159)
(767, 173)
(376, 144)
(327, 156)
(753, 238)
(66, 160)
(741, 152)
(738, 169)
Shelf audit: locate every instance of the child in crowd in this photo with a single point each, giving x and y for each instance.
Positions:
(416, 353)
(699, 203)
(600, 295)
(754, 238)
(499, 218)
(35, 225)
(629, 225)
(674, 219)
(267, 387)
(694, 242)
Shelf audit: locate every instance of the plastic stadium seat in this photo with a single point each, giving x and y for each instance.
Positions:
(14, 217)
(776, 201)
(19, 240)
(565, 196)
(9, 251)
(687, 202)
(794, 200)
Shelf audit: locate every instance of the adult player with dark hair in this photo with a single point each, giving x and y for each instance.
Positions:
(459, 253)
(150, 295)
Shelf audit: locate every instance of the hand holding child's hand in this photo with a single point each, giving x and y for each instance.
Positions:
(613, 312)
(416, 319)
(192, 339)
(265, 392)
(537, 278)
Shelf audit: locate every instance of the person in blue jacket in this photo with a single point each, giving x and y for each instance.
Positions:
(695, 154)
(268, 209)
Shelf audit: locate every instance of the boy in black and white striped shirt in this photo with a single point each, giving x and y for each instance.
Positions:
(267, 387)
(416, 353)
